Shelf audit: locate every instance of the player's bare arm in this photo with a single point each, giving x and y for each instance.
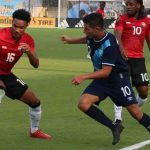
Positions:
(103, 73)
(33, 59)
(75, 40)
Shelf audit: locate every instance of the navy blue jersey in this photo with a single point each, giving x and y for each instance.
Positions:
(106, 52)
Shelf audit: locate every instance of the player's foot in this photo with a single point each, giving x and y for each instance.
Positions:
(116, 131)
(41, 135)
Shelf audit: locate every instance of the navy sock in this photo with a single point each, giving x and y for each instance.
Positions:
(145, 121)
(99, 116)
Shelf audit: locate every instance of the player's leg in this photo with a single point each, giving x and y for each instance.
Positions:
(2, 90)
(142, 94)
(91, 96)
(138, 114)
(17, 89)
(35, 114)
(86, 105)
(140, 79)
(125, 97)
(118, 112)
(88, 54)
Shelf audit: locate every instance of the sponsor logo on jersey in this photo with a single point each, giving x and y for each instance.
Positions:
(4, 47)
(128, 22)
(130, 98)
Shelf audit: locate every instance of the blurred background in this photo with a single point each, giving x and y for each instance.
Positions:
(62, 13)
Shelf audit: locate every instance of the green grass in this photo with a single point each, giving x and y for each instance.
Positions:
(70, 128)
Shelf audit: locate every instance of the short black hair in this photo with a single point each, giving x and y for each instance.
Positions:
(22, 14)
(94, 20)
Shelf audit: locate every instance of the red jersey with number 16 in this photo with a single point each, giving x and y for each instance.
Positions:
(133, 35)
(9, 49)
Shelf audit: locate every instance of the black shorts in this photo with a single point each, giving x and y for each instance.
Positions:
(119, 89)
(15, 87)
(138, 72)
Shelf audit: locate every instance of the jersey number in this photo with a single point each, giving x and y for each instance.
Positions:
(137, 30)
(126, 90)
(21, 82)
(144, 76)
(10, 57)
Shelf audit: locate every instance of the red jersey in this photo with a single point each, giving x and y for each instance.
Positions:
(133, 35)
(9, 49)
(101, 12)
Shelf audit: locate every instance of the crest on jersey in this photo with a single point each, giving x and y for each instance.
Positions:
(143, 24)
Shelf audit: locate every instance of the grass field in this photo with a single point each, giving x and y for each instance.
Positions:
(70, 128)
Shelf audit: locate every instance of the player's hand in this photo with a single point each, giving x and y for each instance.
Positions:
(124, 54)
(64, 39)
(24, 47)
(78, 79)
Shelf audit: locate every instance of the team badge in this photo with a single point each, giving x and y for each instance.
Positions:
(143, 24)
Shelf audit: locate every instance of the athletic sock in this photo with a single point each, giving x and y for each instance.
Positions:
(35, 116)
(140, 100)
(2, 94)
(99, 116)
(145, 121)
(118, 111)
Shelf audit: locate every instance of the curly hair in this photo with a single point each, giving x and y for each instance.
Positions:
(142, 12)
(22, 14)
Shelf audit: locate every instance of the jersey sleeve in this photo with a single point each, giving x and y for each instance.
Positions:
(109, 56)
(119, 23)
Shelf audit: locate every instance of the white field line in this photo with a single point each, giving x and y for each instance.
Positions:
(137, 146)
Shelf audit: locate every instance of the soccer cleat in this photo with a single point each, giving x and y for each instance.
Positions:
(41, 135)
(118, 121)
(116, 131)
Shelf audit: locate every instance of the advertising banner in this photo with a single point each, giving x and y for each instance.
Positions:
(36, 22)
(79, 8)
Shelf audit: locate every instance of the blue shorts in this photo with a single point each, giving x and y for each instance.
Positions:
(117, 87)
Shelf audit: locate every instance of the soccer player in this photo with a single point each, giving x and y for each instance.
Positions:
(13, 43)
(110, 76)
(131, 30)
(100, 10)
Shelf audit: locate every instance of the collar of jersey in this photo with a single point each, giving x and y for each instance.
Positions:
(96, 40)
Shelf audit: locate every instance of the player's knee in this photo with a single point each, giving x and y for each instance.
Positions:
(143, 95)
(135, 111)
(84, 105)
(143, 92)
(2, 84)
